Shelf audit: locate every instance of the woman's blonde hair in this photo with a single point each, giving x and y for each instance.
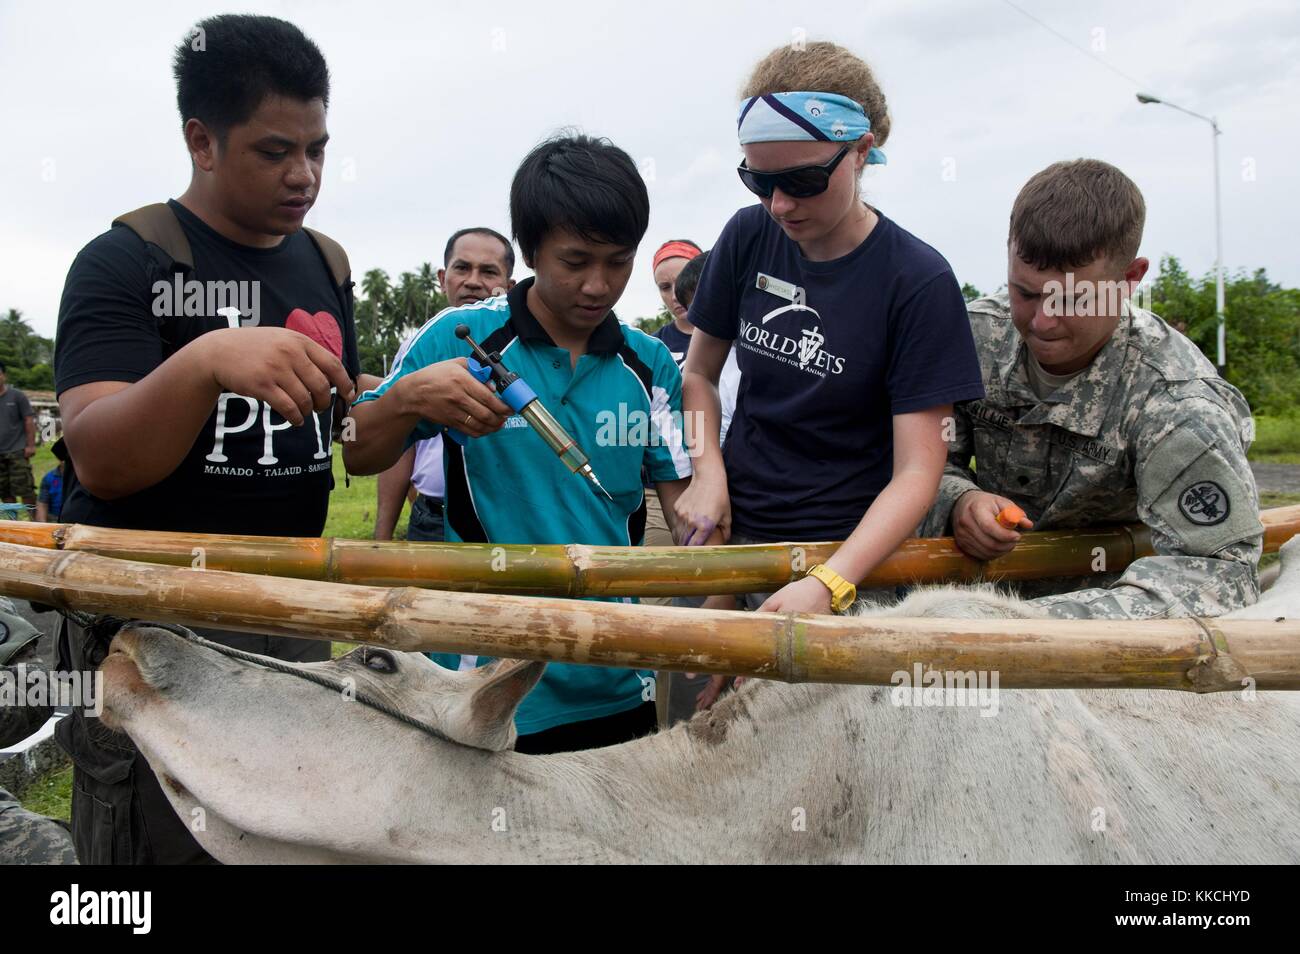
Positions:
(822, 67)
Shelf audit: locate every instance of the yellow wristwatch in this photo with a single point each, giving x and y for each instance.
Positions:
(843, 593)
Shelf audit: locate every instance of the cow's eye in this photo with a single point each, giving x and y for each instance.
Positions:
(379, 660)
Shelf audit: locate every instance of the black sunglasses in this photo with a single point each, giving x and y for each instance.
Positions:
(798, 182)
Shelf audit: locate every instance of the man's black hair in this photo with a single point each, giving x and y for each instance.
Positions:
(3, 369)
(580, 184)
(688, 279)
(228, 64)
(490, 233)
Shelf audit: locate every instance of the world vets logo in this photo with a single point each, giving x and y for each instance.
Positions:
(797, 340)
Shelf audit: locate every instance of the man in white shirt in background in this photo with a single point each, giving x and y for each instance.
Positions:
(477, 264)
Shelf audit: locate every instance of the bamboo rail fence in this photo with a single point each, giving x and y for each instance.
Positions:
(1187, 654)
(579, 571)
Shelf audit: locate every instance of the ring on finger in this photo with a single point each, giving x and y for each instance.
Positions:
(468, 418)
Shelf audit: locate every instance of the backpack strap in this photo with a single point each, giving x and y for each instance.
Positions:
(335, 257)
(157, 224)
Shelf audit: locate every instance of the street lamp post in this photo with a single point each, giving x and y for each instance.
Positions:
(1218, 222)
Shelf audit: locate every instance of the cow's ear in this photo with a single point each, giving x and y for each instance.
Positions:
(495, 694)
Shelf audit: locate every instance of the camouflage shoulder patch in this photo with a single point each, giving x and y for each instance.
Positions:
(1205, 503)
(1196, 492)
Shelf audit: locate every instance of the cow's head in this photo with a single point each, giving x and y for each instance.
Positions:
(150, 667)
(266, 765)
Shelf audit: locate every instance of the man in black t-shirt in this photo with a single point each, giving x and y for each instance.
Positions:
(201, 398)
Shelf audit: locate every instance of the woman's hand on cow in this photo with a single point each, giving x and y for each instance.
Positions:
(703, 508)
(713, 689)
(808, 595)
(976, 529)
(447, 394)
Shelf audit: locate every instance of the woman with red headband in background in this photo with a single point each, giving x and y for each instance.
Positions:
(851, 335)
(667, 264)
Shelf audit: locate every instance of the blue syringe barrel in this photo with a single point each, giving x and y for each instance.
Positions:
(522, 399)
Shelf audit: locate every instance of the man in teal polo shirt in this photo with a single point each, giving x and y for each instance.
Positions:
(578, 209)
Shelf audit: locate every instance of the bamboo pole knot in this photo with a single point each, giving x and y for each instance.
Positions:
(785, 651)
(1215, 670)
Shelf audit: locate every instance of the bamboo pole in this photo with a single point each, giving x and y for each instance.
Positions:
(1199, 656)
(578, 571)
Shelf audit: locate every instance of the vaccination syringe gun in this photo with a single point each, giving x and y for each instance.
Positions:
(523, 400)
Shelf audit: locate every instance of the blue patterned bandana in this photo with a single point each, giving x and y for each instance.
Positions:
(801, 117)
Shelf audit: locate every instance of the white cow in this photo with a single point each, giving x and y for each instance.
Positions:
(268, 767)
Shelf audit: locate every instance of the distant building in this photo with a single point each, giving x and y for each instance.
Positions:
(49, 425)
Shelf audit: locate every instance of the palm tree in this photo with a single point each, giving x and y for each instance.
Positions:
(408, 298)
(17, 336)
(372, 310)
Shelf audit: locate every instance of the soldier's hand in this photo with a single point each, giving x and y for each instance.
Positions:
(976, 529)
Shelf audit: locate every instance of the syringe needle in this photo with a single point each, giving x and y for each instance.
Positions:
(591, 475)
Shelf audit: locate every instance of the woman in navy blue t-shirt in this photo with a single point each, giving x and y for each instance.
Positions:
(851, 335)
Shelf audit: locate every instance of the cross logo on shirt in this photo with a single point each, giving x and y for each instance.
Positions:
(809, 346)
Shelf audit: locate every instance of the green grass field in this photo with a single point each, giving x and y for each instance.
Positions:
(1278, 500)
(1277, 440)
(51, 794)
(352, 506)
(43, 461)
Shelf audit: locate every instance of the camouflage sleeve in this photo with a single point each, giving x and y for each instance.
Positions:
(30, 839)
(1197, 495)
(17, 722)
(17, 637)
(957, 477)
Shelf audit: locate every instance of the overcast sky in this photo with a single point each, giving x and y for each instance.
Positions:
(433, 106)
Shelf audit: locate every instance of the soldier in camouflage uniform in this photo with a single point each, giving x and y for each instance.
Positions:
(1145, 430)
(25, 838)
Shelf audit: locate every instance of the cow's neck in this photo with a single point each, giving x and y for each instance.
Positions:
(688, 785)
